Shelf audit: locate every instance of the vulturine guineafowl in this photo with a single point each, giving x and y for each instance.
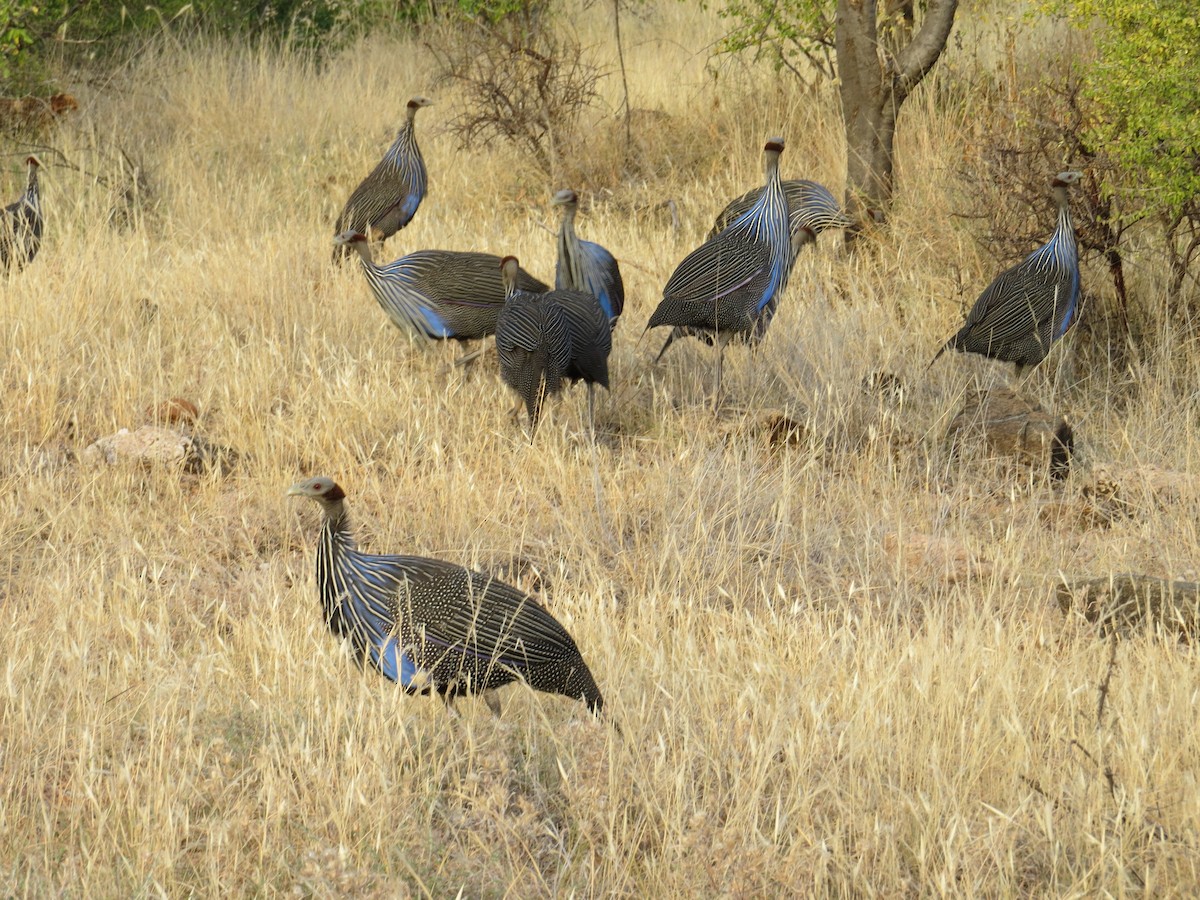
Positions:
(439, 294)
(21, 223)
(811, 210)
(724, 285)
(589, 329)
(810, 205)
(431, 625)
(533, 342)
(387, 199)
(586, 266)
(1031, 305)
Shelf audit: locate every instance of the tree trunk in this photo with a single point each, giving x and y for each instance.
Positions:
(875, 82)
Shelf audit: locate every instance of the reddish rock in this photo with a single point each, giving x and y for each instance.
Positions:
(176, 411)
(944, 558)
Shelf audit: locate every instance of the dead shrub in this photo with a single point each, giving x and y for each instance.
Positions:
(521, 82)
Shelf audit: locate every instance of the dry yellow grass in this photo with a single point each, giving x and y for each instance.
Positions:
(806, 709)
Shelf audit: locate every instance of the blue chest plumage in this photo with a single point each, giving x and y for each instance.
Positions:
(767, 221)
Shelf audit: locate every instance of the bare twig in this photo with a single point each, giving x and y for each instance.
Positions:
(522, 83)
(1106, 682)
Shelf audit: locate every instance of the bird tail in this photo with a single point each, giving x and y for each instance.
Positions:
(675, 334)
(946, 346)
(582, 685)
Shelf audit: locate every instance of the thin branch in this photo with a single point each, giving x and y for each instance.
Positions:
(916, 59)
(1106, 682)
(624, 80)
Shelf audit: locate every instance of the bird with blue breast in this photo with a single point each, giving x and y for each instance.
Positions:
(586, 266)
(812, 208)
(438, 294)
(1030, 306)
(434, 626)
(387, 199)
(724, 286)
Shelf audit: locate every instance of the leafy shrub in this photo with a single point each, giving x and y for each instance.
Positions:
(1146, 91)
(30, 33)
(797, 35)
(1144, 98)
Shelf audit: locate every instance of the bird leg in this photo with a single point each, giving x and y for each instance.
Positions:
(468, 358)
(591, 388)
(720, 342)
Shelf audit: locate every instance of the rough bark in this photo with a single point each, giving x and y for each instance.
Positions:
(875, 82)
